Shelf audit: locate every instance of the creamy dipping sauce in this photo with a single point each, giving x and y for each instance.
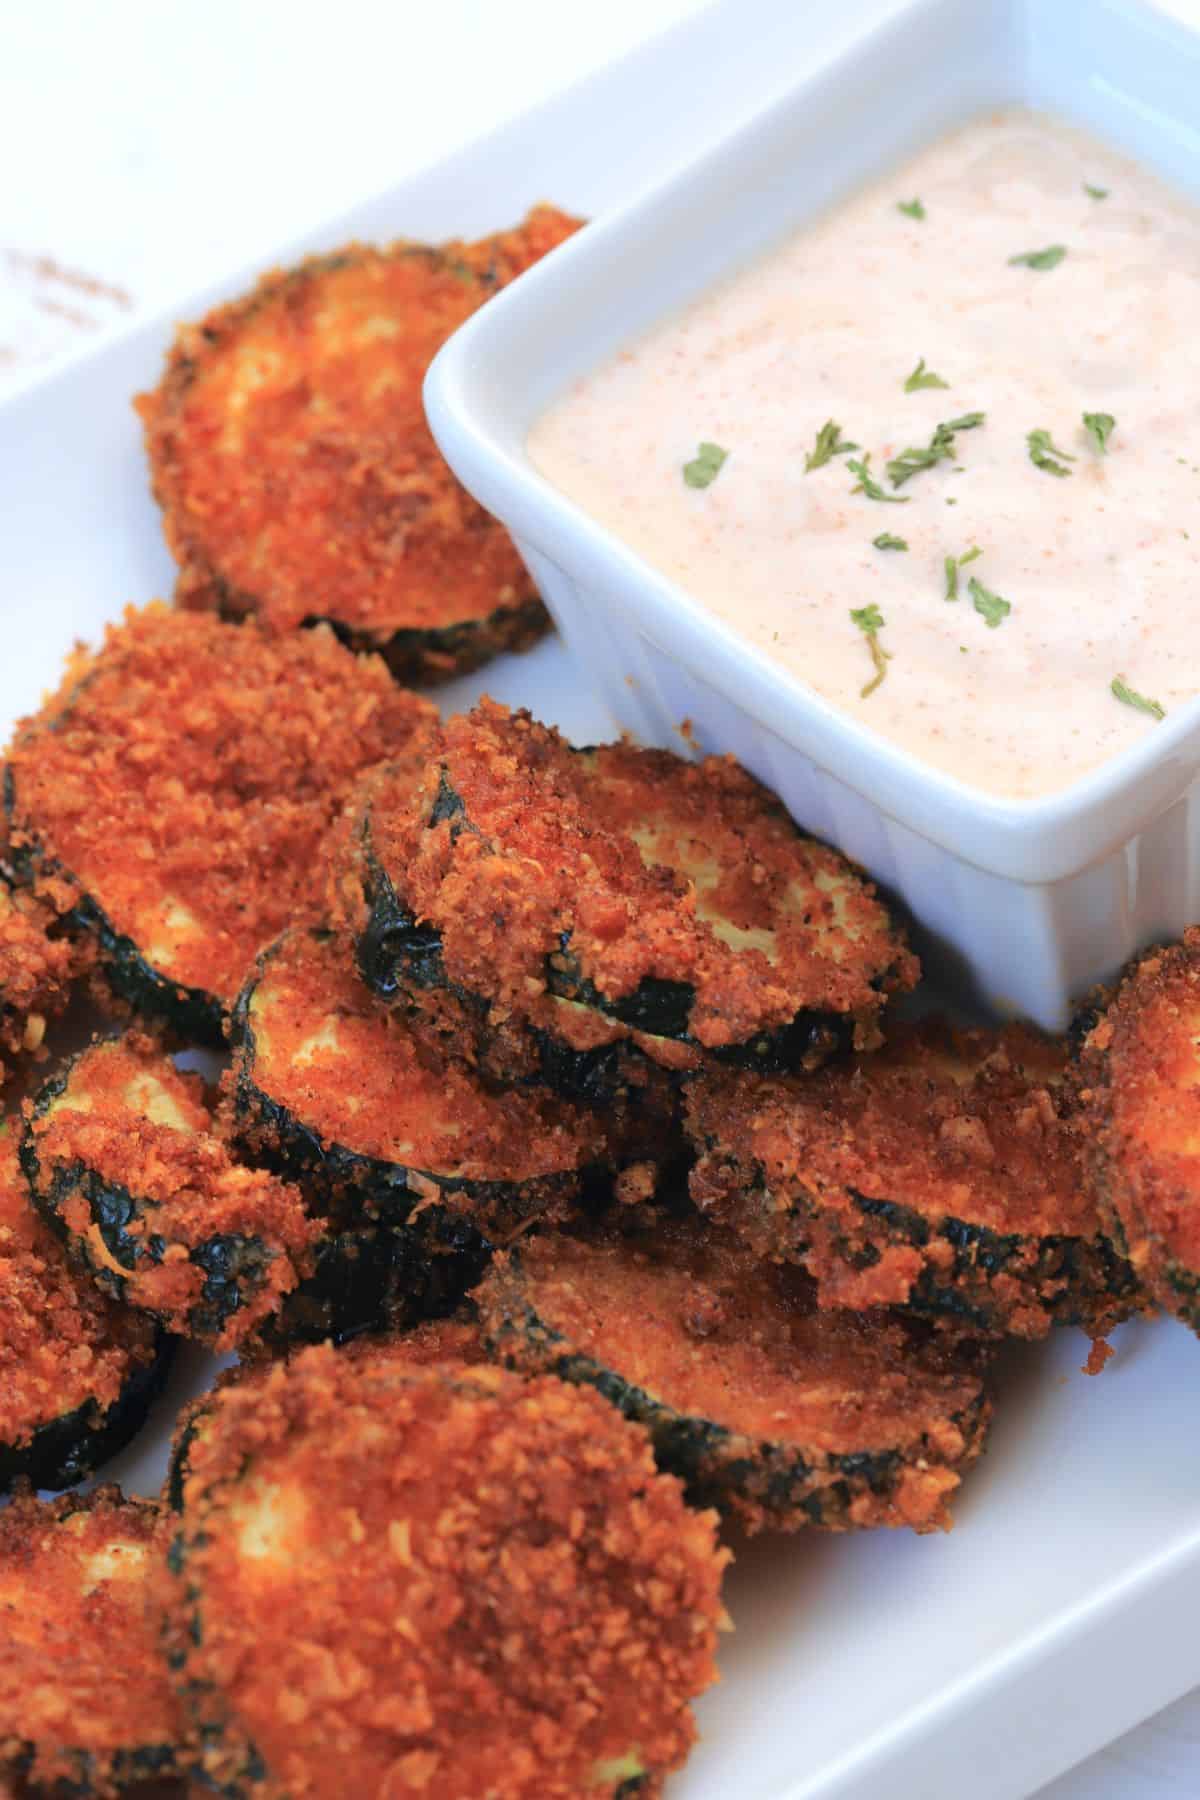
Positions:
(1098, 564)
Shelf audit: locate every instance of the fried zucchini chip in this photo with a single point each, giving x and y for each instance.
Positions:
(78, 1374)
(448, 1579)
(1140, 1072)
(38, 967)
(779, 1414)
(124, 1162)
(85, 1705)
(181, 783)
(318, 372)
(620, 891)
(945, 1173)
(333, 1084)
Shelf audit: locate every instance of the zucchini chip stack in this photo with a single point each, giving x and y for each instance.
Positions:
(85, 1705)
(78, 1373)
(445, 1578)
(781, 1415)
(945, 1173)
(1140, 1070)
(124, 1162)
(617, 893)
(179, 787)
(318, 371)
(39, 963)
(334, 1085)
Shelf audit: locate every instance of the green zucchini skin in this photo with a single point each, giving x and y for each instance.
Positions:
(719, 1466)
(190, 1012)
(125, 1769)
(422, 657)
(66, 1450)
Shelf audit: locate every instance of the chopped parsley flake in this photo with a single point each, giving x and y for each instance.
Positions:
(940, 448)
(705, 466)
(1049, 258)
(830, 443)
(952, 564)
(922, 377)
(870, 622)
(1096, 193)
(1042, 453)
(992, 608)
(867, 484)
(1099, 427)
(1128, 697)
(887, 540)
(913, 208)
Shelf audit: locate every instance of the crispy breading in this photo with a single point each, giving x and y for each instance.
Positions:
(945, 1171)
(1140, 1073)
(448, 1579)
(782, 1415)
(318, 371)
(132, 1169)
(185, 776)
(636, 883)
(84, 1696)
(39, 963)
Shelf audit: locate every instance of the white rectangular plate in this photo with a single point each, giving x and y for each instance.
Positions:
(1062, 1609)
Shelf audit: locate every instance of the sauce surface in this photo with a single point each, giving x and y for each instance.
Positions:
(1097, 564)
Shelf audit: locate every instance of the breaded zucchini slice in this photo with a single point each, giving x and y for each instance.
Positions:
(78, 1374)
(675, 900)
(181, 783)
(39, 963)
(944, 1173)
(451, 1580)
(318, 371)
(1140, 1072)
(85, 1705)
(333, 1084)
(781, 1415)
(124, 1162)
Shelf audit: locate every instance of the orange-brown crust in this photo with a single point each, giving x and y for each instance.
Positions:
(945, 1171)
(84, 1697)
(184, 778)
(63, 1344)
(780, 1414)
(39, 966)
(131, 1127)
(448, 1579)
(1140, 1079)
(319, 370)
(539, 865)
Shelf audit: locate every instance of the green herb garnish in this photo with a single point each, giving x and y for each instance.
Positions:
(887, 540)
(830, 443)
(1128, 697)
(705, 466)
(952, 564)
(1043, 450)
(1096, 193)
(913, 208)
(910, 462)
(1049, 258)
(922, 377)
(870, 622)
(992, 607)
(1099, 427)
(867, 484)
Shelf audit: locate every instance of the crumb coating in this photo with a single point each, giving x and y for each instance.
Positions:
(451, 1580)
(947, 1170)
(63, 1344)
(128, 1124)
(84, 1696)
(783, 1415)
(185, 777)
(1140, 1072)
(319, 370)
(625, 866)
(37, 968)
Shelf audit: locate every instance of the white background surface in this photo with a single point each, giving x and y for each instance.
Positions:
(146, 146)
